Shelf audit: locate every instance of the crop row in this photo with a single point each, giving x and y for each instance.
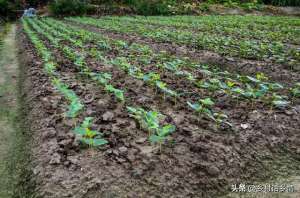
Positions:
(149, 118)
(225, 45)
(246, 29)
(246, 87)
(244, 22)
(87, 135)
(57, 33)
(152, 79)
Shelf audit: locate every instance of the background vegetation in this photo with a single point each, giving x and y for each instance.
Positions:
(13, 8)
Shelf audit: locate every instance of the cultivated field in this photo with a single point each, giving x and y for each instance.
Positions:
(182, 106)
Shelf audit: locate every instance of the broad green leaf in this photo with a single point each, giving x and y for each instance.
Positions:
(280, 103)
(156, 138)
(166, 130)
(207, 102)
(196, 106)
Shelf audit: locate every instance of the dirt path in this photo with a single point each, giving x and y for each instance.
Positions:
(11, 139)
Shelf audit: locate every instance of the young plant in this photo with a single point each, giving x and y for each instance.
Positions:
(149, 120)
(203, 107)
(278, 101)
(151, 77)
(117, 92)
(163, 87)
(102, 78)
(295, 91)
(75, 106)
(87, 136)
(161, 134)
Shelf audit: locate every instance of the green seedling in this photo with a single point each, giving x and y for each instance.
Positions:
(135, 72)
(151, 78)
(295, 91)
(161, 134)
(261, 77)
(220, 118)
(186, 74)
(279, 101)
(121, 44)
(212, 84)
(163, 87)
(117, 92)
(274, 86)
(79, 61)
(121, 62)
(50, 68)
(75, 107)
(102, 45)
(202, 107)
(87, 136)
(102, 78)
(149, 120)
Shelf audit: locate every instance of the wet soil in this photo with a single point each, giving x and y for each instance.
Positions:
(200, 160)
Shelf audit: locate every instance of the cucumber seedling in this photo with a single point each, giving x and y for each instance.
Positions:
(87, 136)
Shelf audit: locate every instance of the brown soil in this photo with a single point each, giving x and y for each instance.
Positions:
(200, 160)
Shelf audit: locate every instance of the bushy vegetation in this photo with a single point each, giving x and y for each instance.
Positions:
(69, 7)
(283, 2)
(152, 7)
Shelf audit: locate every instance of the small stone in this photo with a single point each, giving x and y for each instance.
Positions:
(230, 59)
(287, 112)
(55, 159)
(70, 122)
(143, 100)
(102, 103)
(146, 150)
(120, 160)
(245, 126)
(67, 143)
(109, 152)
(123, 150)
(108, 116)
(141, 140)
(49, 133)
(74, 160)
(213, 170)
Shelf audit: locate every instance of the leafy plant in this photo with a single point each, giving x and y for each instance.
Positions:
(202, 107)
(102, 78)
(161, 134)
(151, 77)
(117, 92)
(295, 91)
(149, 120)
(163, 87)
(88, 136)
(279, 101)
(75, 106)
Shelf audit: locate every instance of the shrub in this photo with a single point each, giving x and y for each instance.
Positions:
(69, 7)
(283, 2)
(152, 7)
